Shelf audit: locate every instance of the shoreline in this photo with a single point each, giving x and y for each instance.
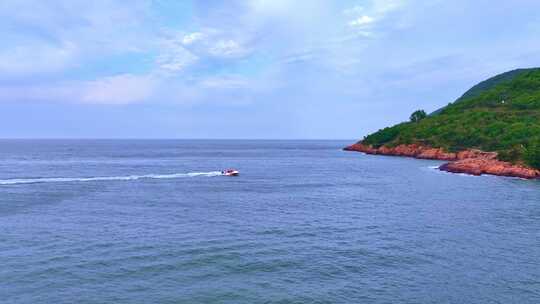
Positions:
(473, 162)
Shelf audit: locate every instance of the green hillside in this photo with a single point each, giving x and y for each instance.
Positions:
(501, 114)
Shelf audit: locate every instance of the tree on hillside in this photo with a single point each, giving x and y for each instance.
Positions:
(418, 115)
(532, 154)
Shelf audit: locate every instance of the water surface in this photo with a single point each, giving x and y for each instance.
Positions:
(152, 222)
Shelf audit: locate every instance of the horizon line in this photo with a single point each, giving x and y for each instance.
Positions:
(164, 138)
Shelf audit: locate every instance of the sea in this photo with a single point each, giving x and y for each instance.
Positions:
(154, 221)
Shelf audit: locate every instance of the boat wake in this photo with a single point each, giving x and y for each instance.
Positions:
(105, 178)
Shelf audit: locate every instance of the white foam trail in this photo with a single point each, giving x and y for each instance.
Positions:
(105, 178)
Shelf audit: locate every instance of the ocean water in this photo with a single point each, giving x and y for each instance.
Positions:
(153, 222)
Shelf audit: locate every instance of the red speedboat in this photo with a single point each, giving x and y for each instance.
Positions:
(230, 172)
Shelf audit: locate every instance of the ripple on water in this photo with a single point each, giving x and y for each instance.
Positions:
(304, 223)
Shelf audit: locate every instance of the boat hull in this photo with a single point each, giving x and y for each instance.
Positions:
(231, 173)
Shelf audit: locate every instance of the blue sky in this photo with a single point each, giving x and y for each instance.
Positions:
(247, 69)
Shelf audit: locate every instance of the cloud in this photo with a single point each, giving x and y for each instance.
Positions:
(307, 60)
(58, 35)
(225, 82)
(214, 43)
(118, 89)
(191, 38)
(238, 45)
(180, 50)
(382, 7)
(174, 57)
(36, 58)
(362, 21)
(227, 49)
(365, 19)
(221, 51)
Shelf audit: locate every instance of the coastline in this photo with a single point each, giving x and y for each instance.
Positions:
(473, 162)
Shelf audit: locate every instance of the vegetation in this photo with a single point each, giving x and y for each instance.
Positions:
(501, 114)
(532, 154)
(418, 115)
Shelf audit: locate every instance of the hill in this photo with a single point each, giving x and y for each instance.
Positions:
(501, 114)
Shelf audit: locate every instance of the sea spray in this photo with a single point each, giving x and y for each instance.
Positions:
(105, 178)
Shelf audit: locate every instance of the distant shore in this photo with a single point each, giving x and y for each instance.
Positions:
(474, 162)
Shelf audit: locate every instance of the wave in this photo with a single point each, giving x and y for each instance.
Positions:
(105, 178)
(436, 168)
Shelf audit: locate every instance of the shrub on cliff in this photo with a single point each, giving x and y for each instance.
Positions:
(512, 155)
(418, 115)
(532, 154)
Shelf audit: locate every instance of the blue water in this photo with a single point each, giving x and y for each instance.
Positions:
(151, 222)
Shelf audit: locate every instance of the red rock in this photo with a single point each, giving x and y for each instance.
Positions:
(475, 162)
(479, 166)
(437, 153)
(472, 153)
(361, 148)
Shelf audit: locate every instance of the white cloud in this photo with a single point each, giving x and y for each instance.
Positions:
(191, 38)
(366, 18)
(182, 50)
(362, 21)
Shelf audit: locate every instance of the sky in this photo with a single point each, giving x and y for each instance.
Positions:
(253, 69)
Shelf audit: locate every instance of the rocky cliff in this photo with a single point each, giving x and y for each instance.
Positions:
(471, 161)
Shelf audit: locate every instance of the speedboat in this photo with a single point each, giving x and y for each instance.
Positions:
(230, 172)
